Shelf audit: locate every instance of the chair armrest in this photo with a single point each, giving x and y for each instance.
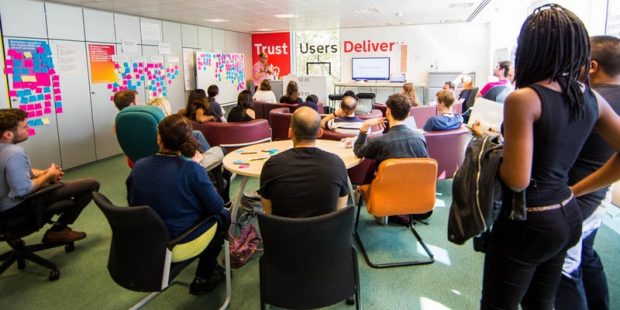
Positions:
(43, 190)
(180, 238)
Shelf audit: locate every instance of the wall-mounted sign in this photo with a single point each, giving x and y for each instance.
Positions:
(278, 48)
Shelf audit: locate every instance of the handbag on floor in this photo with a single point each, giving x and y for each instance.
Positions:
(242, 248)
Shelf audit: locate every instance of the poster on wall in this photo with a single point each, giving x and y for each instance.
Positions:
(189, 68)
(34, 84)
(277, 46)
(222, 69)
(101, 64)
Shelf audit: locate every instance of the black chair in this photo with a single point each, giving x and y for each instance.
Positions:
(333, 98)
(308, 262)
(16, 225)
(369, 96)
(498, 93)
(141, 252)
(468, 103)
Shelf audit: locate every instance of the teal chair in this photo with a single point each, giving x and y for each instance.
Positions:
(136, 131)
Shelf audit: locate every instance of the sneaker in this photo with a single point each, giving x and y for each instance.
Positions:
(202, 286)
(65, 235)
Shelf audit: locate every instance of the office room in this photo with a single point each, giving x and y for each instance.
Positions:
(316, 92)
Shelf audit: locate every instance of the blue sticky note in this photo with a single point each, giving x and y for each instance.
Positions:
(58, 104)
(24, 71)
(38, 122)
(17, 78)
(24, 100)
(40, 97)
(33, 98)
(46, 89)
(31, 123)
(17, 63)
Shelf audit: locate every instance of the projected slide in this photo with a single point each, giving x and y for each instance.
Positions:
(371, 68)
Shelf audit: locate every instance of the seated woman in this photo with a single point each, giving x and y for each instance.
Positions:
(264, 93)
(198, 107)
(409, 92)
(292, 94)
(179, 190)
(242, 112)
(446, 120)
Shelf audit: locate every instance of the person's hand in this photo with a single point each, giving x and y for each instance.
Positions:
(476, 130)
(54, 173)
(197, 157)
(373, 122)
(339, 113)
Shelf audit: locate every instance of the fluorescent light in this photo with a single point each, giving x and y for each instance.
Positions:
(264, 29)
(460, 5)
(366, 11)
(286, 16)
(217, 20)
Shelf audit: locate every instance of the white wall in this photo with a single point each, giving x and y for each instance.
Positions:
(452, 47)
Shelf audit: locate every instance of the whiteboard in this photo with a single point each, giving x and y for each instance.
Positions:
(222, 69)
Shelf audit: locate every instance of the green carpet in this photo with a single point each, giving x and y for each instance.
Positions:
(452, 282)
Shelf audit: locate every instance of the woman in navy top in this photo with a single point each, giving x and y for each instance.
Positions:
(546, 122)
(180, 191)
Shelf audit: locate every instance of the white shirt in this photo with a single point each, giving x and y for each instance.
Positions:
(265, 96)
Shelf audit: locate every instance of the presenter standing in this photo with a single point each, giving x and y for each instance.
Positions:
(261, 69)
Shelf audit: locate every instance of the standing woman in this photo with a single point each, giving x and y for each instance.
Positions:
(546, 122)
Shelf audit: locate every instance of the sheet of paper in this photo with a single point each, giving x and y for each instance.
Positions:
(489, 113)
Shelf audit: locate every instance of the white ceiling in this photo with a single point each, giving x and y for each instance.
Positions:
(258, 15)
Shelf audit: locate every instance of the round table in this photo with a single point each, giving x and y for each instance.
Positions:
(248, 162)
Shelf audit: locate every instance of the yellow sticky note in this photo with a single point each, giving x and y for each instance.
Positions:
(45, 121)
(27, 55)
(29, 78)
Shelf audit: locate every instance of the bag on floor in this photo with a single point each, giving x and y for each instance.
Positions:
(242, 248)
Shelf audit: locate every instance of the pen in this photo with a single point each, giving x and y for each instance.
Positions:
(243, 153)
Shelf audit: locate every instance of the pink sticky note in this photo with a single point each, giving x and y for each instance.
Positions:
(13, 93)
(169, 81)
(110, 86)
(39, 90)
(39, 113)
(30, 107)
(48, 96)
(40, 49)
(56, 84)
(8, 70)
(31, 132)
(48, 104)
(47, 110)
(154, 94)
(58, 98)
(55, 77)
(58, 110)
(52, 71)
(23, 107)
(32, 114)
(38, 106)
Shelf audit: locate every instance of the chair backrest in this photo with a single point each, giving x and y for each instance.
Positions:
(307, 262)
(456, 108)
(362, 173)
(262, 109)
(448, 148)
(138, 252)
(232, 136)
(497, 92)
(280, 120)
(422, 114)
(389, 195)
(136, 130)
(380, 107)
(469, 101)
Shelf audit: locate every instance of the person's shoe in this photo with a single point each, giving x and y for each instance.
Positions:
(202, 286)
(251, 195)
(400, 219)
(65, 235)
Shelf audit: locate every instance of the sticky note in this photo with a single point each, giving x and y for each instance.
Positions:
(12, 93)
(29, 78)
(27, 55)
(57, 97)
(58, 110)
(47, 110)
(31, 132)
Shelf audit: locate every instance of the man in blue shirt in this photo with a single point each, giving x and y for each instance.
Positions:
(446, 120)
(18, 179)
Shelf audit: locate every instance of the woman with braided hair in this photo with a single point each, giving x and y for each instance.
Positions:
(546, 122)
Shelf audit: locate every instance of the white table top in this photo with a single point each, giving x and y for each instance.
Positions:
(252, 168)
(371, 84)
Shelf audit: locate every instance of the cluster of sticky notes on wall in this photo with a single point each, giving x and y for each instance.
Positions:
(154, 75)
(226, 67)
(35, 86)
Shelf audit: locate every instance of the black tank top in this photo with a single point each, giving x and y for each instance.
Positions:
(558, 138)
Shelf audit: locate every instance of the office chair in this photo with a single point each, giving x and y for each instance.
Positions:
(388, 195)
(16, 225)
(142, 256)
(136, 130)
(308, 262)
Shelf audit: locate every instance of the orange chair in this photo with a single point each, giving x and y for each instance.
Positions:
(388, 195)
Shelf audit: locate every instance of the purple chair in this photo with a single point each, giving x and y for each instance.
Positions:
(380, 107)
(372, 114)
(457, 108)
(231, 136)
(448, 148)
(280, 120)
(363, 173)
(262, 109)
(422, 114)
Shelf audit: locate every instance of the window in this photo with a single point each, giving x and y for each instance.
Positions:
(613, 18)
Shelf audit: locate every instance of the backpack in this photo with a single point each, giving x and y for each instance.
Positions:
(477, 192)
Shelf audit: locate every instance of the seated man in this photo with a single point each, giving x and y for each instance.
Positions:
(343, 120)
(18, 179)
(180, 191)
(446, 120)
(502, 73)
(304, 181)
(312, 101)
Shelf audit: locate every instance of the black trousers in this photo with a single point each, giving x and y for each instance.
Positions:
(207, 260)
(523, 262)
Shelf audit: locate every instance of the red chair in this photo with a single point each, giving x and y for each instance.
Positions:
(280, 120)
(448, 148)
(422, 114)
(231, 136)
(262, 109)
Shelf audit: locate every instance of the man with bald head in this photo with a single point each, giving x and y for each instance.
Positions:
(304, 181)
(343, 120)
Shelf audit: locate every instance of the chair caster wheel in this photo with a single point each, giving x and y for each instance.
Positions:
(69, 247)
(350, 301)
(54, 275)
